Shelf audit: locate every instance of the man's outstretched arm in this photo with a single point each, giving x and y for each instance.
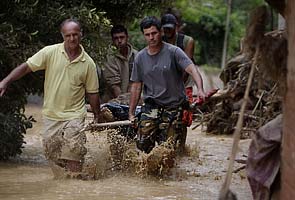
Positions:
(197, 78)
(15, 74)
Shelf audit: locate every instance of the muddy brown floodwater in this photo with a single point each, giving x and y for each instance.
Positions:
(197, 176)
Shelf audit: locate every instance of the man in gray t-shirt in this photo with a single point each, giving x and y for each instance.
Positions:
(158, 69)
(161, 75)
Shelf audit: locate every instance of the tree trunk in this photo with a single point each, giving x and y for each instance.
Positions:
(288, 147)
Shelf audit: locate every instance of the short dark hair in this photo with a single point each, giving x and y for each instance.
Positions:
(149, 21)
(70, 20)
(118, 29)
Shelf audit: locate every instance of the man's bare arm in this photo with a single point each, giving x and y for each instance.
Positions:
(189, 50)
(135, 91)
(191, 69)
(116, 90)
(95, 104)
(15, 74)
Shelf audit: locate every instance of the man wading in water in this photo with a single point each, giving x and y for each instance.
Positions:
(159, 69)
(70, 73)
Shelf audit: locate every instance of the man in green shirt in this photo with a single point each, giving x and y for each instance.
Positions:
(70, 73)
(119, 64)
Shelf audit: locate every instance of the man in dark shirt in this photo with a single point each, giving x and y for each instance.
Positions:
(158, 69)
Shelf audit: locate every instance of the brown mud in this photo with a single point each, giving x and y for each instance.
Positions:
(197, 175)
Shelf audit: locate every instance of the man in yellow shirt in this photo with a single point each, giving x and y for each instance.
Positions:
(70, 73)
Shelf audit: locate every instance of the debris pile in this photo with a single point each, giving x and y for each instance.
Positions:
(268, 53)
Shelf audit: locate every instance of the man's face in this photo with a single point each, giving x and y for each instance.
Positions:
(169, 32)
(153, 36)
(72, 35)
(120, 40)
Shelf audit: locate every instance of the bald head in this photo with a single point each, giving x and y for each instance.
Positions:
(71, 32)
(69, 21)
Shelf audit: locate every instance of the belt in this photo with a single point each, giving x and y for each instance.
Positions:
(152, 104)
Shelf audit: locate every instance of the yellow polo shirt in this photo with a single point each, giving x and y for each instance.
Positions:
(65, 82)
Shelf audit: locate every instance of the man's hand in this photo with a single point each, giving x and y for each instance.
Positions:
(133, 120)
(3, 87)
(15, 74)
(131, 117)
(135, 91)
(202, 95)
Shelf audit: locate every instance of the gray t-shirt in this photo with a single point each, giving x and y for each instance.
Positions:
(161, 75)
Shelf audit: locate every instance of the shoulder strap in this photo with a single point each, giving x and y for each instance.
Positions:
(179, 42)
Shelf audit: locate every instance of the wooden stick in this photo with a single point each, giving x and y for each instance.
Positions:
(258, 102)
(107, 124)
(237, 134)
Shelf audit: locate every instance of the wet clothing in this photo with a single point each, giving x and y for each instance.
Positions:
(117, 69)
(163, 94)
(63, 140)
(182, 42)
(65, 81)
(157, 124)
(264, 160)
(161, 75)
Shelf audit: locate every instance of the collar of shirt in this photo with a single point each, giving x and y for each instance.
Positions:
(81, 57)
(116, 52)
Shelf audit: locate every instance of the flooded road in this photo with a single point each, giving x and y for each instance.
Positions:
(197, 176)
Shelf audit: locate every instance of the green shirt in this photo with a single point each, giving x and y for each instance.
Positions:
(117, 69)
(65, 81)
